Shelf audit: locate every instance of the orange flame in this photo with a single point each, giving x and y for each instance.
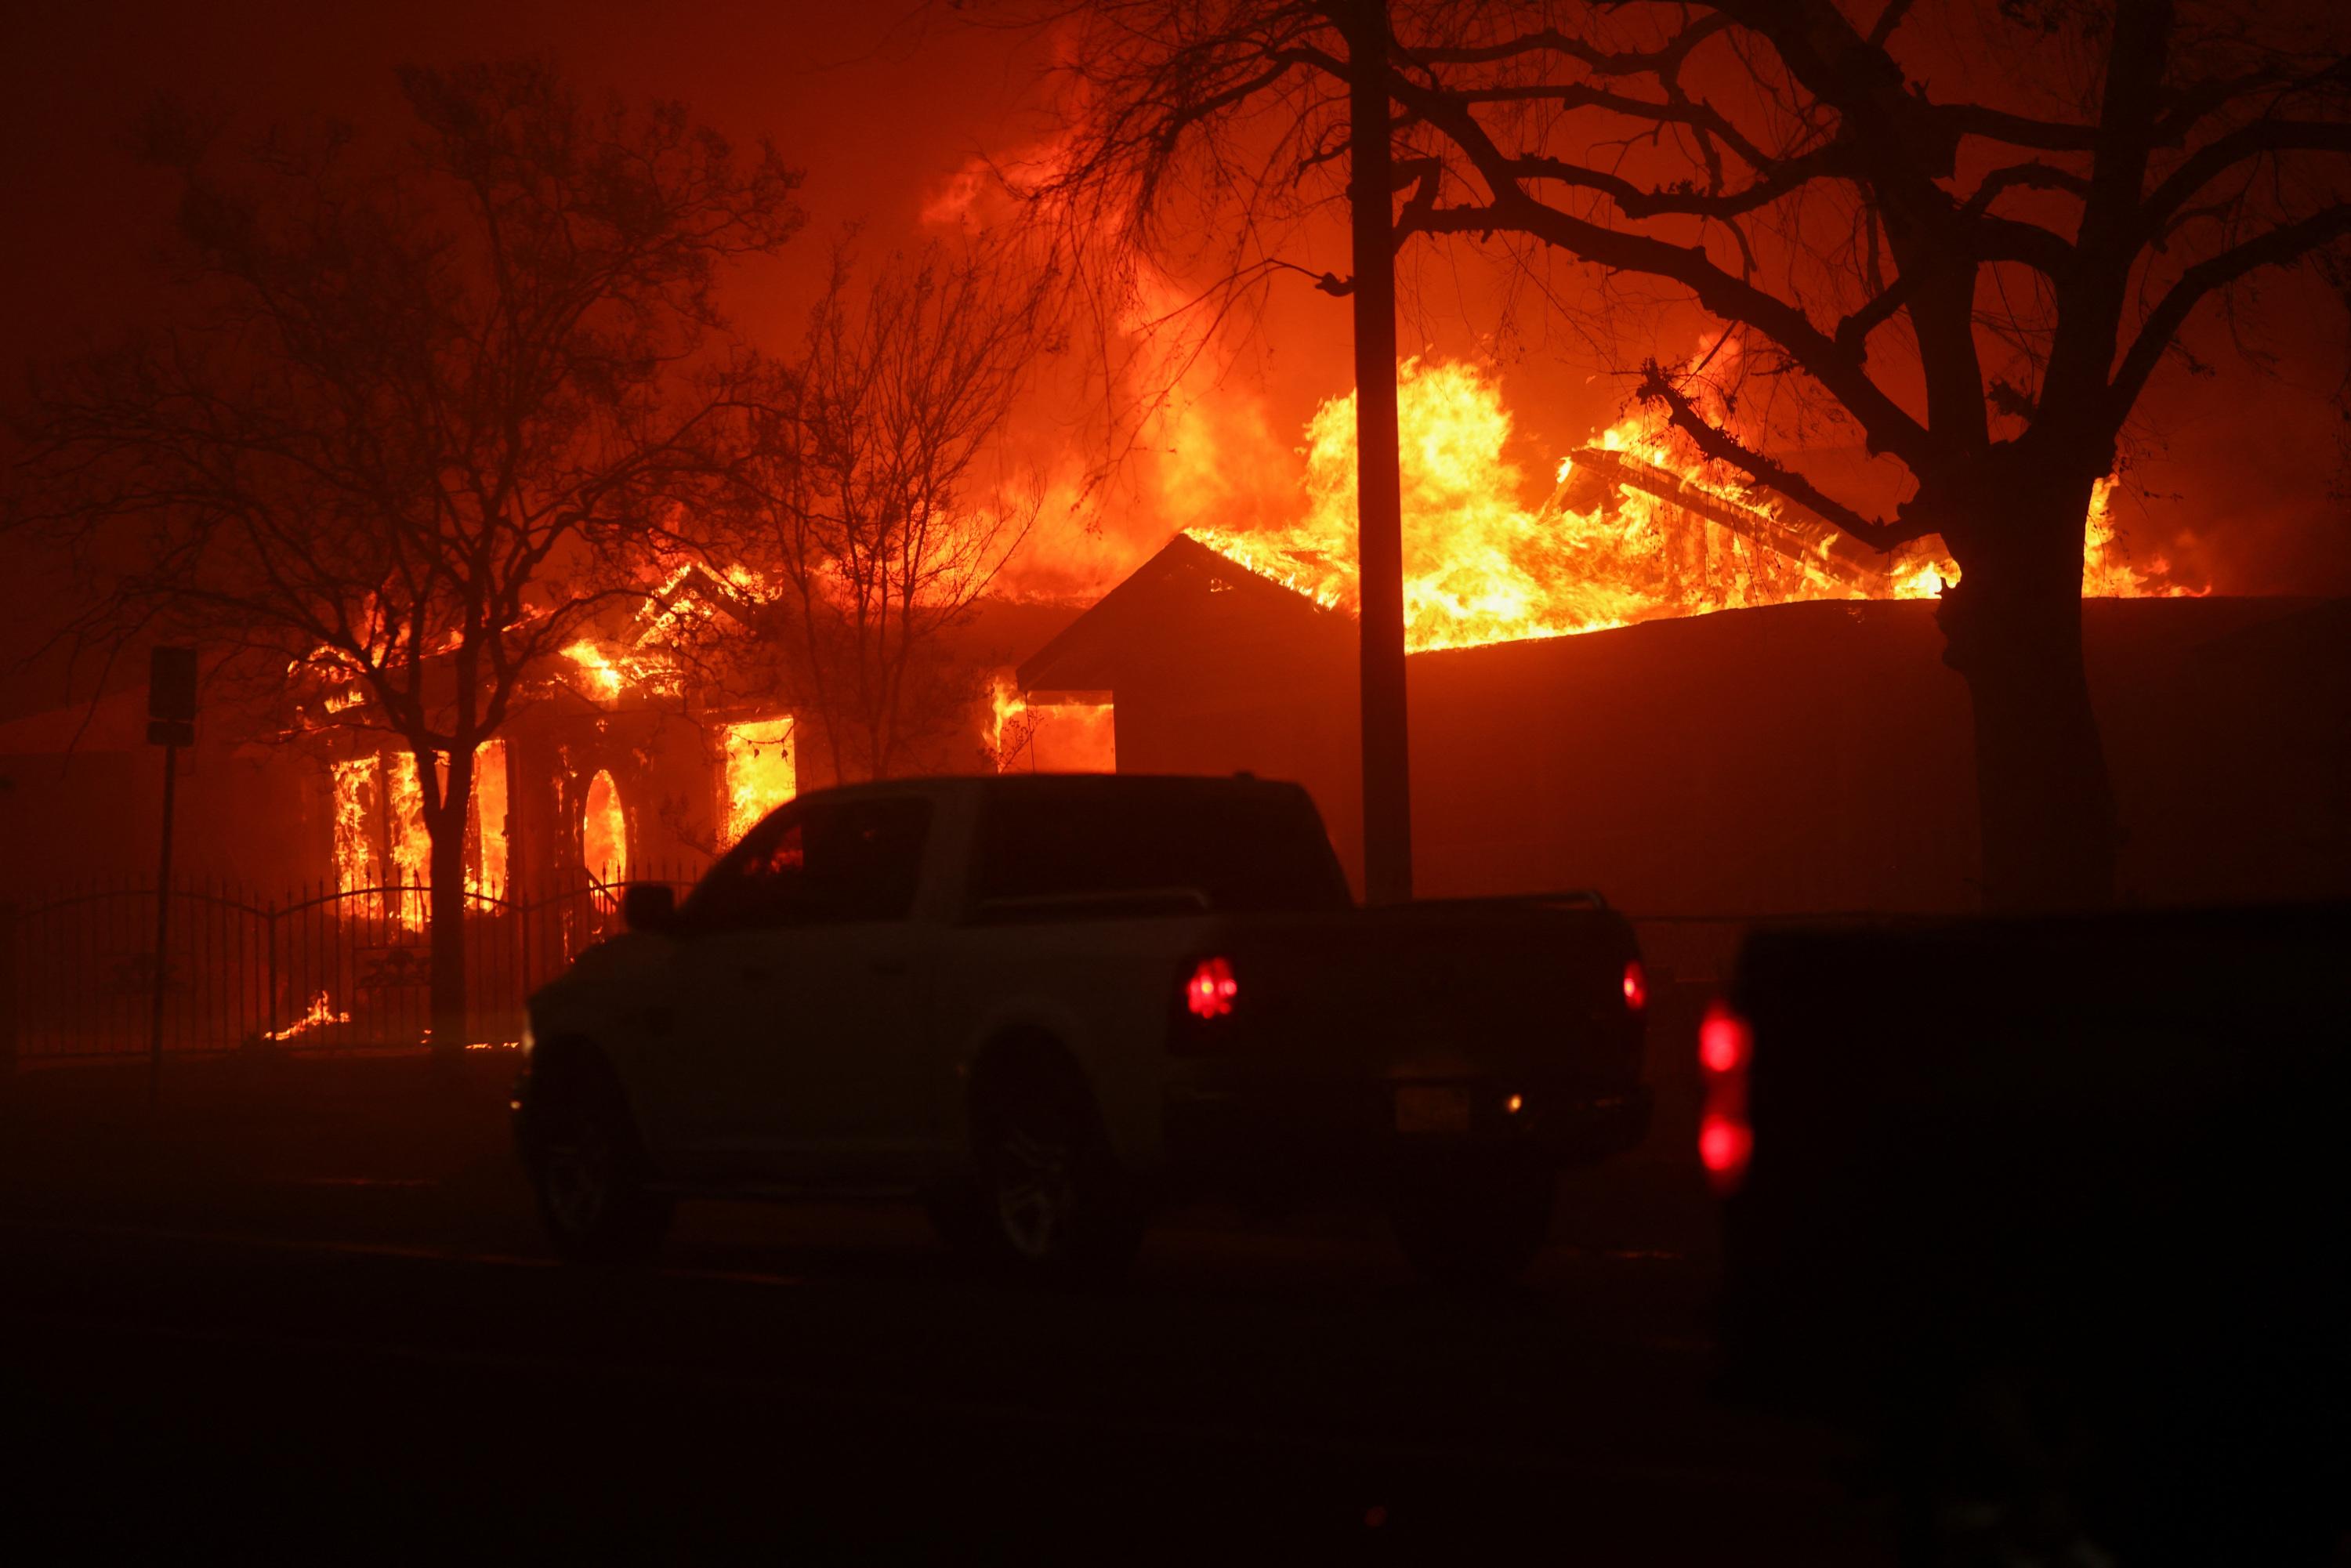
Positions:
(1640, 527)
(1009, 725)
(322, 1011)
(411, 846)
(761, 772)
(355, 790)
(1067, 732)
(490, 812)
(604, 832)
(597, 671)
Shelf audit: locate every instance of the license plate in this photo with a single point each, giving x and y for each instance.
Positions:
(1432, 1108)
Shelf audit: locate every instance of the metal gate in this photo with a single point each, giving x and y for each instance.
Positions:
(323, 970)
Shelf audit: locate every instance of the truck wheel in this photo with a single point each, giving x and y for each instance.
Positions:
(1475, 1226)
(590, 1174)
(1052, 1202)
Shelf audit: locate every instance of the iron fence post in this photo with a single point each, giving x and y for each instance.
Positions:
(269, 981)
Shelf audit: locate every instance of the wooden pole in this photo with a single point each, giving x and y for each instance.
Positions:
(163, 931)
(1379, 501)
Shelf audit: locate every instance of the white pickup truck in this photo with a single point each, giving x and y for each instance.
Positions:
(1047, 1004)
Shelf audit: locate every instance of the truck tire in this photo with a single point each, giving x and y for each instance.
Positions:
(1051, 1204)
(589, 1172)
(1473, 1224)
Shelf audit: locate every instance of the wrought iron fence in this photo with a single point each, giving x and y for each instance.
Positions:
(328, 970)
(319, 969)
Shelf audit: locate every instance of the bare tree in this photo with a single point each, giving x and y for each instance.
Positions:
(1969, 230)
(408, 404)
(872, 498)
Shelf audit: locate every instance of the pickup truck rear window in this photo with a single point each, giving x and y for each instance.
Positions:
(1244, 851)
(818, 862)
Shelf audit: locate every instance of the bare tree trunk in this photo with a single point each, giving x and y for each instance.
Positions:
(445, 825)
(1379, 502)
(2012, 628)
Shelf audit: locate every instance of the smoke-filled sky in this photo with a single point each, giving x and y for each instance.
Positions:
(883, 104)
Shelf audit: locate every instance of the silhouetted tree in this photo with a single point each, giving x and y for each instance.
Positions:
(872, 497)
(408, 405)
(1971, 230)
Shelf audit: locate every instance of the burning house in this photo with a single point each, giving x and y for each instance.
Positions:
(304, 859)
(1655, 685)
(630, 758)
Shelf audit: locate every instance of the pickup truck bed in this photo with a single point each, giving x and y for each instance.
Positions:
(1156, 987)
(1302, 1089)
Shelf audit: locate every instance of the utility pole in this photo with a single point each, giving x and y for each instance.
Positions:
(171, 723)
(1379, 501)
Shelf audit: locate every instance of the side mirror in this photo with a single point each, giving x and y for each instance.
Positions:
(648, 907)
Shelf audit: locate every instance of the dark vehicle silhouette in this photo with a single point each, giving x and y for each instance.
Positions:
(1048, 1005)
(2055, 1212)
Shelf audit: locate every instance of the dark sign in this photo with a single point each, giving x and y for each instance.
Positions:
(172, 696)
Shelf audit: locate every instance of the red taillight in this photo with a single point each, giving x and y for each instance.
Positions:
(1209, 993)
(1723, 1145)
(1637, 986)
(1725, 1139)
(1723, 1040)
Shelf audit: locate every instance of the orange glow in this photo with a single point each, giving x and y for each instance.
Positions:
(1639, 527)
(1514, 1104)
(761, 772)
(598, 674)
(2106, 571)
(1010, 726)
(1062, 733)
(1637, 986)
(380, 840)
(322, 1011)
(604, 672)
(490, 811)
(412, 847)
(355, 795)
(604, 832)
(1075, 738)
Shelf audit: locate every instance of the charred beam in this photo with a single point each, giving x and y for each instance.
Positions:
(1824, 548)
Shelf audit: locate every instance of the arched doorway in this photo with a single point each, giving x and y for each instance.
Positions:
(604, 832)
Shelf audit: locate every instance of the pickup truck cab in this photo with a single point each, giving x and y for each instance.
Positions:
(1047, 1004)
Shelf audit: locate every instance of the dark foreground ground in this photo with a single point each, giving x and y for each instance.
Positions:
(306, 1314)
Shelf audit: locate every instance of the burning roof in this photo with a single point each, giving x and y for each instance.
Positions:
(1638, 526)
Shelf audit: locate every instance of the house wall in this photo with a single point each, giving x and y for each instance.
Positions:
(1798, 759)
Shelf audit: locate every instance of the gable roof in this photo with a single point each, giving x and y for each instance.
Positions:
(1156, 613)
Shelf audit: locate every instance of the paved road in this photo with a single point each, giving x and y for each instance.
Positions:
(358, 1350)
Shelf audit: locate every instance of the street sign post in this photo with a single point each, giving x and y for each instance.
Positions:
(171, 723)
